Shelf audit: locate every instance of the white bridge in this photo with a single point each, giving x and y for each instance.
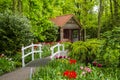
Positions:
(56, 50)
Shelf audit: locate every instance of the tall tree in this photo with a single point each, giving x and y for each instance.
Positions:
(99, 18)
(111, 9)
(85, 17)
(116, 12)
(20, 6)
(14, 6)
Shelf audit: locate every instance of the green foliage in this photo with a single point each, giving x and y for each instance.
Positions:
(111, 49)
(105, 51)
(44, 30)
(5, 5)
(51, 34)
(17, 59)
(46, 51)
(86, 51)
(6, 65)
(14, 32)
(67, 45)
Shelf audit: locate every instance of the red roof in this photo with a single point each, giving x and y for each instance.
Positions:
(61, 20)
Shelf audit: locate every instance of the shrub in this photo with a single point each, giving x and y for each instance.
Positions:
(110, 53)
(86, 51)
(14, 32)
(6, 65)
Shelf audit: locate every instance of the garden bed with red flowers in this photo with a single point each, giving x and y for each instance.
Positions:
(70, 69)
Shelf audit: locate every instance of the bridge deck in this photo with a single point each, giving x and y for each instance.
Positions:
(38, 62)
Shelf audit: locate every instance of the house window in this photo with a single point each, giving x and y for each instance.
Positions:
(75, 33)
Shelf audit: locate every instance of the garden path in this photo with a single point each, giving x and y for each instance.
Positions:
(25, 72)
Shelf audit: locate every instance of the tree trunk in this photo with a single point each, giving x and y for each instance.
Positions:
(30, 9)
(85, 18)
(99, 19)
(14, 6)
(116, 17)
(111, 10)
(20, 6)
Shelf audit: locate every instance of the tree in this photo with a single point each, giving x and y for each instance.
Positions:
(99, 19)
(20, 6)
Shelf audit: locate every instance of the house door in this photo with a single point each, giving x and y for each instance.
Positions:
(75, 35)
(66, 33)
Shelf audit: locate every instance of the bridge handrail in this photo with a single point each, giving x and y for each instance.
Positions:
(58, 50)
(32, 52)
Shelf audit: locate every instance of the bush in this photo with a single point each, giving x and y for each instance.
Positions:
(6, 65)
(86, 51)
(111, 50)
(14, 32)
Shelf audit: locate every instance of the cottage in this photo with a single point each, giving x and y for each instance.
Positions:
(69, 28)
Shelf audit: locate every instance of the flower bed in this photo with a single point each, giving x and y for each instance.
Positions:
(70, 69)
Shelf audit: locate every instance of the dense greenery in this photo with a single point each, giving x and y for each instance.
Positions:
(86, 51)
(111, 48)
(26, 21)
(96, 16)
(106, 51)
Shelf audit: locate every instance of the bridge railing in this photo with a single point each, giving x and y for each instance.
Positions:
(33, 50)
(58, 46)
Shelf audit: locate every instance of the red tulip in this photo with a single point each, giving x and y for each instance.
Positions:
(66, 73)
(99, 65)
(94, 63)
(72, 61)
(70, 74)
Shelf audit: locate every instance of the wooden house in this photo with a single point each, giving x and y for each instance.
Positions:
(69, 28)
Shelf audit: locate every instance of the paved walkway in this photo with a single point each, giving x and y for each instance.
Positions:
(25, 73)
(20, 74)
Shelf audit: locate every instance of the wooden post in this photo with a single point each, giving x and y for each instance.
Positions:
(78, 34)
(70, 35)
(61, 34)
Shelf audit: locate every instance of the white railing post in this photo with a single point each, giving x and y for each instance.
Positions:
(40, 50)
(58, 49)
(32, 51)
(23, 61)
(52, 49)
(63, 48)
